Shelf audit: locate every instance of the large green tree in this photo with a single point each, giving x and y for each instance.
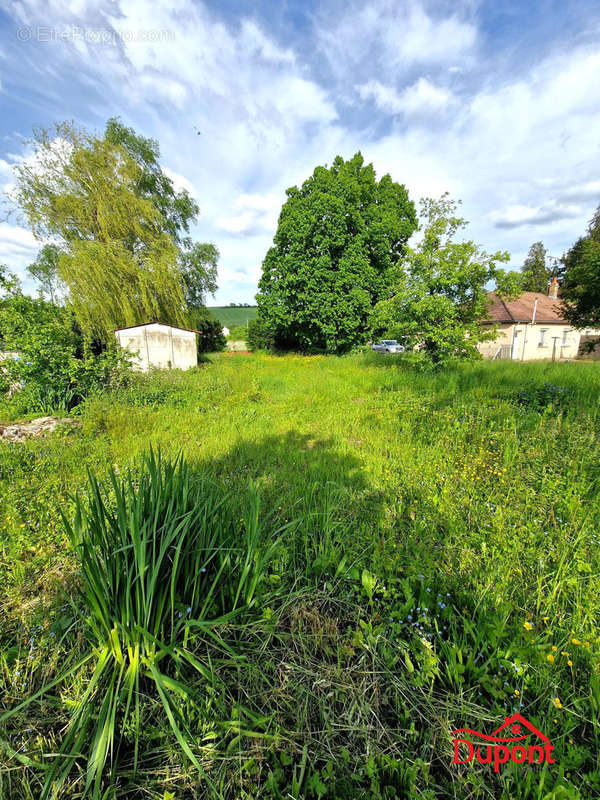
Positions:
(580, 278)
(119, 223)
(339, 235)
(439, 299)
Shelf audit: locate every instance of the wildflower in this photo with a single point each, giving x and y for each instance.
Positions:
(517, 692)
(554, 648)
(575, 641)
(557, 703)
(528, 625)
(545, 619)
(550, 658)
(586, 644)
(569, 663)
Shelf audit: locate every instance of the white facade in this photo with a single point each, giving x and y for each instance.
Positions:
(156, 345)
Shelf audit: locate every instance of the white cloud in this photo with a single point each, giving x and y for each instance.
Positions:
(180, 182)
(517, 215)
(386, 36)
(253, 214)
(422, 97)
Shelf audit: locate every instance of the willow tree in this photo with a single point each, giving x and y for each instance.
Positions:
(119, 260)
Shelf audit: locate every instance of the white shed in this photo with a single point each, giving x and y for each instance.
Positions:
(155, 344)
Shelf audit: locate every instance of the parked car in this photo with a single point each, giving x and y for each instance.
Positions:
(388, 346)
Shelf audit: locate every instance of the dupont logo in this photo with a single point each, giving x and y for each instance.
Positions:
(516, 740)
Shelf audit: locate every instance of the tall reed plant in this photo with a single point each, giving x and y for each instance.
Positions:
(164, 563)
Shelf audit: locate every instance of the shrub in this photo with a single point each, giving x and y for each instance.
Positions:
(56, 366)
(258, 336)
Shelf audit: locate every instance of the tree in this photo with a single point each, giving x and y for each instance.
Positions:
(580, 274)
(536, 274)
(44, 270)
(439, 300)
(198, 268)
(197, 261)
(337, 239)
(120, 225)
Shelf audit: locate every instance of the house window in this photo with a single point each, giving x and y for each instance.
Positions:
(543, 337)
(565, 340)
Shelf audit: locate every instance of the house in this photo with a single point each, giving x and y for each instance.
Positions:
(155, 344)
(531, 327)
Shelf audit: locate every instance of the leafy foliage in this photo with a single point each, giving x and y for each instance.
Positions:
(338, 237)
(44, 271)
(120, 225)
(56, 366)
(537, 274)
(9, 283)
(438, 301)
(259, 336)
(210, 333)
(580, 285)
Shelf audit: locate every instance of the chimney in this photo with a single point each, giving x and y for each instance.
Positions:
(553, 290)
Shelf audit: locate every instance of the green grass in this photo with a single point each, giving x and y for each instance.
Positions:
(232, 317)
(438, 541)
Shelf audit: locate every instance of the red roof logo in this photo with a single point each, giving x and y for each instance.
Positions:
(506, 743)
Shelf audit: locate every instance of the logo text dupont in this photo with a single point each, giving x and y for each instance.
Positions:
(500, 747)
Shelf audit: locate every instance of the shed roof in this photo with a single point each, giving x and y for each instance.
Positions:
(156, 322)
(548, 311)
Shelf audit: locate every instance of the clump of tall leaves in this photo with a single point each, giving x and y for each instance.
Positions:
(164, 567)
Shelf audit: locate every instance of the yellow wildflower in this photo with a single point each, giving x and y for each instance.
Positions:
(569, 663)
(554, 648)
(550, 658)
(517, 692)
(586, 644)
(575, 641)
(557, 703)
(527, 625)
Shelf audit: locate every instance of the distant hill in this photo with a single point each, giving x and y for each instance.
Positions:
(230, 316)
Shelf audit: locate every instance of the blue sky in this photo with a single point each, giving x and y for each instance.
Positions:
(496, 102)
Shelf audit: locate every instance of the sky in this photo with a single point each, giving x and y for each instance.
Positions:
(495, 101)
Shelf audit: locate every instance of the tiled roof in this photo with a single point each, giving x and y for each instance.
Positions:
(548, 311)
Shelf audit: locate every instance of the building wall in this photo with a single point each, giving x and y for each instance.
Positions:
(159, 346)
(534, 342)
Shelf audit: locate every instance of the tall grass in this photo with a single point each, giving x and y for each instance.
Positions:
(162, 564)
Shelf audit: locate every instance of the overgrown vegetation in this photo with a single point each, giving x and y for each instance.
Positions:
(434, 565)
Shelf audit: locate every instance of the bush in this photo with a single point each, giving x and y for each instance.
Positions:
(56, 367)
(237, 333)
(258, 336)
(210, 332)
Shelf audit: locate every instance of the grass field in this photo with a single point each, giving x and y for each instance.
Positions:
(436, 563)
(233, 317)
